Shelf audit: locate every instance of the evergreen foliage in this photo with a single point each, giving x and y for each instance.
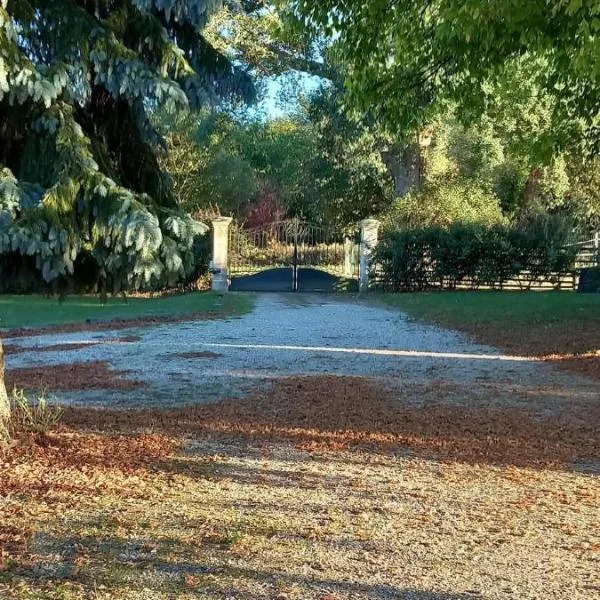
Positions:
(81, 192)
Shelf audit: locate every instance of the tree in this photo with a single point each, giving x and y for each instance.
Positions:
(207, 162)
(355, 178)
(80, 185)
(4, 404)
(236, 161)
(316, 164)
(459, 179)
(79, 176)
(269, 37)
(405, 60)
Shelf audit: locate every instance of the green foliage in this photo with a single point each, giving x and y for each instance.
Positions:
(459, 175)
(317, 164)
(582, 200)
(475, 254)
(269, 37)
(443, 204)
(354, 181)
(80, 183)
(478, 173)
(405, 61)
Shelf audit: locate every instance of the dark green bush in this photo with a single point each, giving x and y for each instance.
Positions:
(589, 280)
(201, 248)
(475, 254)
(403, 259)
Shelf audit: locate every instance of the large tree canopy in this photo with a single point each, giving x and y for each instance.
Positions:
(80, 182)
(405, 59)
(269, 37)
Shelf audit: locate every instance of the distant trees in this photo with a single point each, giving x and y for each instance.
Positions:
(482, 173)
(324, 165)
(316, 164)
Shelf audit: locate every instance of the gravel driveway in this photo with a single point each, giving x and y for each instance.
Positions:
(412, 477)
(287, 335)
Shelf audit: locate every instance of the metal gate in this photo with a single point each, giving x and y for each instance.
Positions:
(291, 253)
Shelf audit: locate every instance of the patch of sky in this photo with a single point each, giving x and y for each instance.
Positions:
(280, 96)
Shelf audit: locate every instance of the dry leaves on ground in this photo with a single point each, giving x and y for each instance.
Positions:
(63, 469)
(69, 346)
(78, 376)
(318, 487)
(586, 364)
(574, 346)
(337, 413)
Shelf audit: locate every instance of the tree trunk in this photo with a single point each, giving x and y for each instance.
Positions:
(4, 404)
(405, 163)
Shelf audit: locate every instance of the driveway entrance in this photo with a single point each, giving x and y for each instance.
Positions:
(292, 256)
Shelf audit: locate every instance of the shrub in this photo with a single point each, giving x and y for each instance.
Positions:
(589, 280)
(201, 249)
(403, 259)
(442, 204)
(475, 254)
(543, 249)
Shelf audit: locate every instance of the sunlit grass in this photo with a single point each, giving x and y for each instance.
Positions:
(507, 308)
(538, 323)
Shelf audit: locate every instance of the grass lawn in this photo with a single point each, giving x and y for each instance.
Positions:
(536, 323)
(40, 311)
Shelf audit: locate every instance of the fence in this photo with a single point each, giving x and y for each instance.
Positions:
(588, 253)
(422, 266)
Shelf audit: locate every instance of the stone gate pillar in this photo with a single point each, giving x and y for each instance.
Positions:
(369, 229)
(220, 261)
(348, 249)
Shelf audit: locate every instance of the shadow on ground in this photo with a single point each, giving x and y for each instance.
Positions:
(328, 413)
(313, 490)
(120, 565)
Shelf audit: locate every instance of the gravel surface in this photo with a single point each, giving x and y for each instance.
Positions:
(438, 469)
(287, 335)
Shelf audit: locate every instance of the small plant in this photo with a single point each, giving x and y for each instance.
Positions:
(33, 416)
(232, 537)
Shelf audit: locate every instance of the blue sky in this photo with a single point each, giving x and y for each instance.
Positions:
(273, 105)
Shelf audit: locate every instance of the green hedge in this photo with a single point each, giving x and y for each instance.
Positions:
(474, 255)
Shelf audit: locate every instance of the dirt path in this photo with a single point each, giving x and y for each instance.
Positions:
(286, 335)
(371, 458)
